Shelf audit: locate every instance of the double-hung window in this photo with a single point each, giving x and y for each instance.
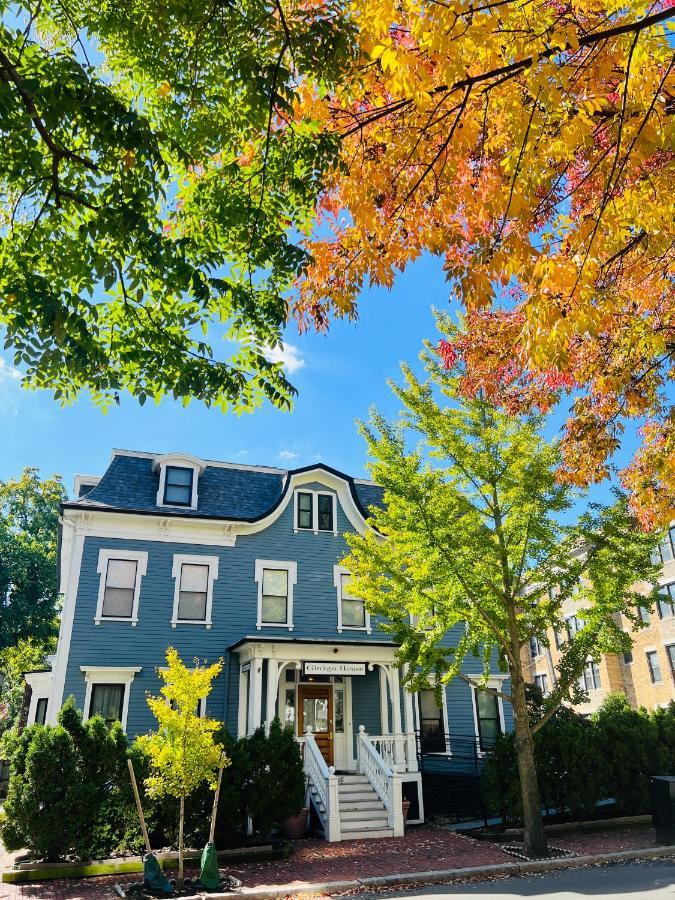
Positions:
(542, 683)
(666, 601)
(275, 580)
(535, 647)
(120, 572)
(315, 511)
(573, 624)
(665, 552)
(178, 486)
(352, 612)
(590, 680)
(670, 653)
(107, 692)
(41, 711)
(488, 718)
(654, 666)
(107, 701)
(193, 593)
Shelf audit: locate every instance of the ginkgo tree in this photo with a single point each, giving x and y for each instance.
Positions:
(475, 551)
(183, 753)
(531, 146)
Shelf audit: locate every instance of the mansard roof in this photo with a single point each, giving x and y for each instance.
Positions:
(226, 490)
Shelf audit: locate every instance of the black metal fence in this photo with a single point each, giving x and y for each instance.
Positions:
(451, 772)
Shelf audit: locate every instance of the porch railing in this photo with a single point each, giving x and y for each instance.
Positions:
(399, 751)
(324, 781)
(385, 781)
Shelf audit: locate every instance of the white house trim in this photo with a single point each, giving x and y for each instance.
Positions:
(289, 566)
(181, 461)
(338, 571)
(315, 510)
(496, 683)
(180, 559)
(104, 556)
(42, 686)
(109, 675)
(84, 480)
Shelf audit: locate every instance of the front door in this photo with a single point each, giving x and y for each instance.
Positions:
(315, 702)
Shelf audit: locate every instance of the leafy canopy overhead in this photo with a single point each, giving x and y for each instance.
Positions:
(29, 510)
(531, 146)
(149, 198)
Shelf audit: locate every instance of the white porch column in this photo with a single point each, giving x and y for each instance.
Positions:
(272, 688)
(242, 708)
(254, 694)
(409, 726)
(395, 700)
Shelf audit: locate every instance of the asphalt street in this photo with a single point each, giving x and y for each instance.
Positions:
(651, 879)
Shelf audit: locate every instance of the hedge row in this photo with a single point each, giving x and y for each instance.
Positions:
(70, 794)
(580, 761)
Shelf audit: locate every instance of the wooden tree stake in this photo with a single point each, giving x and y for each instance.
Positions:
(216, 797)
(144, 829)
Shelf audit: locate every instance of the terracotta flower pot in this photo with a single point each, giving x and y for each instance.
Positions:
(405, 804)
(296, 826)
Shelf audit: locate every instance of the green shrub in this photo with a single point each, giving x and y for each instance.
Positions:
(581, 761)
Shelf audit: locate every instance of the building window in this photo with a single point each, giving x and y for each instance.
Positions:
(542, 683)
(665, 603)
(628, 657)
(275, 597)
(432, 723)
(654, 666)
(107, 692)
(178, 486)
(275, 592)
(119, 589)
(107, 701)
(535, 647)
(193, 594)
(41, 711)
(559, 638)
(305, 510)
(643, 613)
(352, 612)
(315, 511)
(488, 718)
(664, 552)
(573, 624)
(590, 680)
(670, 653)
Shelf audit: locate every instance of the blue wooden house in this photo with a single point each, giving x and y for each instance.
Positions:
(243, 563)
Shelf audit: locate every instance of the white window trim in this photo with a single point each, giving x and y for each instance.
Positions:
(496, 683)
(41, 684)
(292, 569)
(180, 461)
(104, 557)
(315, 511)
(338, 571)
(109, 675)
(179, 560)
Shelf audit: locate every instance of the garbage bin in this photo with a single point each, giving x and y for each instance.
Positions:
(663, 808)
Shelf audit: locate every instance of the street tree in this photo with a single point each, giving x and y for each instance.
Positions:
(150, 200)
(476, 534)
(29, 510)
(530, 147)
(183, 752)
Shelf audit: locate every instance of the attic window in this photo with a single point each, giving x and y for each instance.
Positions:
(178, 486)
(315, 511)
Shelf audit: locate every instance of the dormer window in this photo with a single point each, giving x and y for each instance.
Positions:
(315, 511)
(178, 486)
(178, 480)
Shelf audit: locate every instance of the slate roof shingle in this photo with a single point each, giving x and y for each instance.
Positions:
(225, 492)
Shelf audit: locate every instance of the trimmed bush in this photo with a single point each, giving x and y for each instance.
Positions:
(580, 761)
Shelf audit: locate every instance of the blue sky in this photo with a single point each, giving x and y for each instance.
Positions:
(339, 376)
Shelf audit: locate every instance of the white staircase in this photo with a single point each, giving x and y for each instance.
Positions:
(362, 813)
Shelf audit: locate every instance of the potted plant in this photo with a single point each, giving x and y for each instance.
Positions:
(295, 826)
(405, 806)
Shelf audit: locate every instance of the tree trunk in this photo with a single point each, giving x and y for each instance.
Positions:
(533, 826)
(181, 849)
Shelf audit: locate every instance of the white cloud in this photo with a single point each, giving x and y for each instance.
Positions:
(240, 453)
(7, 372)
(288, 355)
(288, 455)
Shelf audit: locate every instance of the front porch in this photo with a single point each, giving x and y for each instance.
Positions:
(354, 722)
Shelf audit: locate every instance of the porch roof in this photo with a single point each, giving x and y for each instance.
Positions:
(280, 647)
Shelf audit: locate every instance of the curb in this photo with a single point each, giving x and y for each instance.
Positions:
(442, 875)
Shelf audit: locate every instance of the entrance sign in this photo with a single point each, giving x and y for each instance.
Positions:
(334, 668)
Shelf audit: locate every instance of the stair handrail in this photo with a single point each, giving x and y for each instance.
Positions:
(384, 780)
(325, 782)
(395, 750)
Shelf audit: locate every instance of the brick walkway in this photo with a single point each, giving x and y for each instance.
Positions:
(422, 849)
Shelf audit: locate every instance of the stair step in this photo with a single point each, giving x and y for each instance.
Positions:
(358, 794)
(350, 835)
(348, 805)
(352, 779)
(366, 816)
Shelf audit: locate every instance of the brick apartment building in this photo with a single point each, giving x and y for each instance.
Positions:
(646, 675)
